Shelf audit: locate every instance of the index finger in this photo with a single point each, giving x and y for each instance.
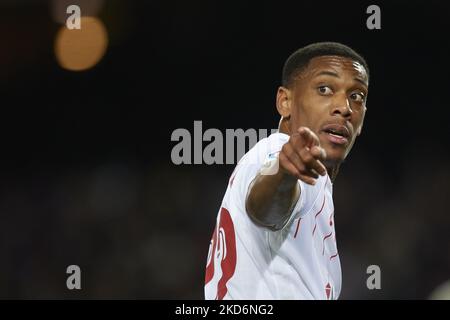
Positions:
(309, 136)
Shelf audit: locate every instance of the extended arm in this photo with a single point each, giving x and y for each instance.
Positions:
(271, 198)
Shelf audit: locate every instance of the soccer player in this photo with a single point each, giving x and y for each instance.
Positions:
(275, 236)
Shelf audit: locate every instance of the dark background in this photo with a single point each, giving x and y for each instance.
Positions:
(86, 176)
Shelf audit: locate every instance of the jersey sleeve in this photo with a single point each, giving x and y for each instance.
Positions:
(254, 162)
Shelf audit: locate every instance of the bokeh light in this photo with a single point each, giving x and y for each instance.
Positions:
(81, 49)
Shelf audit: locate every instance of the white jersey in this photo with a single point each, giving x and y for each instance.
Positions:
(247, 261)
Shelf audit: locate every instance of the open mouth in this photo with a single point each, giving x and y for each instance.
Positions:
(337, 133)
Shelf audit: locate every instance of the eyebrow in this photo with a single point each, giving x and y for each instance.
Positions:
(333, 74)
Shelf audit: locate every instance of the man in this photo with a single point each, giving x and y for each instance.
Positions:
(275, 236)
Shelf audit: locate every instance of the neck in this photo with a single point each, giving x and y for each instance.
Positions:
(283, 126)
(333, 171)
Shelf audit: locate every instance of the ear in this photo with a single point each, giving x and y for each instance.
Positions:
(284, 102)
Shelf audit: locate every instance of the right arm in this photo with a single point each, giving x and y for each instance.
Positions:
(271, 198)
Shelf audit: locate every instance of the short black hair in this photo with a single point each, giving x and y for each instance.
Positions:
(300, 59)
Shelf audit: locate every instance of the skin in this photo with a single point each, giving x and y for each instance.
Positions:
(331, 90)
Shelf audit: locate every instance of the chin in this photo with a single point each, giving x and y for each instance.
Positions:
(334, 156)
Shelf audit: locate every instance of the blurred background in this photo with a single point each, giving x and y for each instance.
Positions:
(86, 176)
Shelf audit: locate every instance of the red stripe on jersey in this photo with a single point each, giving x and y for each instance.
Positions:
(323, 204)
(298, 225)
(323, 242)
(315, 217)
(334, 256)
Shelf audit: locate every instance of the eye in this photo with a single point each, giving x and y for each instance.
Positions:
(358, 97)
(325, 90)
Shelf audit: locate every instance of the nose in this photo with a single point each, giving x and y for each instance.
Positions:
(342, 106)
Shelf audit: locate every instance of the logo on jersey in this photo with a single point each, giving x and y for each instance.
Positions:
(329, 291)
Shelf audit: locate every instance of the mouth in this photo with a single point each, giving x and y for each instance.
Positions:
(337, 133)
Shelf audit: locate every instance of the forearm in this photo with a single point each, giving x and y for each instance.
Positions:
(271, 198)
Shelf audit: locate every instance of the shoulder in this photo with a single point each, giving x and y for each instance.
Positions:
(252, 162)
(265, 148)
